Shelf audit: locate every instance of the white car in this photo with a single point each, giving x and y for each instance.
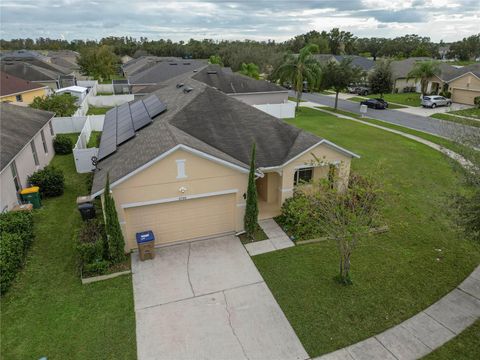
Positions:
(432, 101)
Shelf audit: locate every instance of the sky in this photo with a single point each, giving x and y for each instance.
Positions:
(278, 20)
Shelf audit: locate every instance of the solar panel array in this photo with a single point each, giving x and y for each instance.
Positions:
(123, 121)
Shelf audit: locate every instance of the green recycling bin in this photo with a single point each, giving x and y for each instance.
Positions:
(32, 196)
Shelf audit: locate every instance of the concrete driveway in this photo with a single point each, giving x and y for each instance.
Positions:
(206, 300)
(421, 111)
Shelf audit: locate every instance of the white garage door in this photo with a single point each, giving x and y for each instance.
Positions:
(464, 96)
(182, 220)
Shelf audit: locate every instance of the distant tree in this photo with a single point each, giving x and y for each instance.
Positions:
(467, 49)
(297, 69)
(423, 71)
(61, 105)
(341, 42)
(251, 209)
(371, 46)
(250, 70)
(99, 62)
(115, 240)
(215, 59)
(338, 76)
(381, 78)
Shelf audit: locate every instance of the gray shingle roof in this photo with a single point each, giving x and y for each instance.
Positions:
(209, 121)
(473, 68)
(233, 83)
(28, 71)
(401, 68)
(18, 126)
(358, 61)
(154, 73)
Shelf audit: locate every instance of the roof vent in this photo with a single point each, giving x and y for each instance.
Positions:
(180, 85)
(211, 72)
(187, 89)
(195, 70)
(173, 63)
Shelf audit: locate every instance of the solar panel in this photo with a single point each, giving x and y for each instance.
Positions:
(125, 129)
(140, 115)
(108, 141)
(154, 106)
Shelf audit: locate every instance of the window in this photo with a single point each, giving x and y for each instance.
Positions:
(34, 152)
(18, 98)
(181, 169)
(45, 148)
(304, 175)
(51, 128)
(16, 181)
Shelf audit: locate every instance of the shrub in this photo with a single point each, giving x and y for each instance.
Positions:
(50, 180)
(476, 101)
(96, 268)
(16, 234)
(446, 94)
(91, 242)
(63, 144)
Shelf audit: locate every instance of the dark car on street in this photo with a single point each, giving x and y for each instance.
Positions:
(375, 103)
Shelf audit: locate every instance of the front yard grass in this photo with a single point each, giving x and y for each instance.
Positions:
(456, 119)
(395, 274)
(92, 110)
(409, 99)
(390, 105)
(48, 312)
(472, 112)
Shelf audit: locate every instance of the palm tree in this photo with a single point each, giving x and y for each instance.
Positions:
(250, 69)
(299, 68)
(423, 71)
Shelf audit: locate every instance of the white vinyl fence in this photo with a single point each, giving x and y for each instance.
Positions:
(281, 111)
(110, 100)
(85, 125)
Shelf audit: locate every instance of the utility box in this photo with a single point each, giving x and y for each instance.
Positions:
(146, 245)
(87, 210)
(31, 195)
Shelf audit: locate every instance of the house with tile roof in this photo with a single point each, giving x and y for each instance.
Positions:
(178, 161)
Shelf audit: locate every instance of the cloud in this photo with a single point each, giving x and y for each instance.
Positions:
(257, 20)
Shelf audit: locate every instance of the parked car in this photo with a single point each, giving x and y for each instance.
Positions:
(358, 89)
(375, 103)
(433, 101)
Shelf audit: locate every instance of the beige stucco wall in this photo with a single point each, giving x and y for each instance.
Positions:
(465, 89)
(402, 83)
(25, 167)
(27, 96)
(262, 98)
(159, 181)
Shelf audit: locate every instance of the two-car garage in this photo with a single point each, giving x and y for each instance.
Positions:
(176, 219)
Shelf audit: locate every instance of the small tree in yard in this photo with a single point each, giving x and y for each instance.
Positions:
(115, 240)
(215, 59)
(381, 78)
(250, 70)
(423, 71)
(339, 76)
(347, 216)
(61, 105)
(251, 210)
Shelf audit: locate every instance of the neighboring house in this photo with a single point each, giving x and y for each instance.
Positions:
(16, 90)
(160, 71)
(139, 64)
(31, 73)
(241, 87)
(184, 175)
(26, 146)
(465, 84)
(79, 92)
(360, 62)
(400, 70)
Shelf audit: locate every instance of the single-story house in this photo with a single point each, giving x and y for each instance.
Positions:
(360, 62)
(178, 162)
(465, 84)
(241, 87)
(138, 64)
(16, 90)
(79, 92)
(400, 70)
(26, 146)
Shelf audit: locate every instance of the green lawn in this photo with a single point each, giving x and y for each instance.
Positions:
(294, 99)
(456, 119)
(48, 312)
(390, 105)
(92, 110)
(113, 77)
(94, 140)
(465, 346)
(472, 112)
(395, 274)
(104, 93)
(410, 99)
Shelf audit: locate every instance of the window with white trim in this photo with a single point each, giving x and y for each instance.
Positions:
(16, 180)
(45, 148)
(34, 152)
(18, 98)
(303, 175)
(181, 169)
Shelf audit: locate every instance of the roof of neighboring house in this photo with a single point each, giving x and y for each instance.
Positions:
(10, 84)
(161, 71)
(28, 71)
(137, 65)
(209, 121)
(472, 68)
(229, 82)
(358, 61)
(19, 125)
(401, 68)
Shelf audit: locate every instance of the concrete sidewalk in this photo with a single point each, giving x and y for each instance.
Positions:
(277, 239)
(423, 333)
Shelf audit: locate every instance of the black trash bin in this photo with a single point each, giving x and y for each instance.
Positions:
(87, 210)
